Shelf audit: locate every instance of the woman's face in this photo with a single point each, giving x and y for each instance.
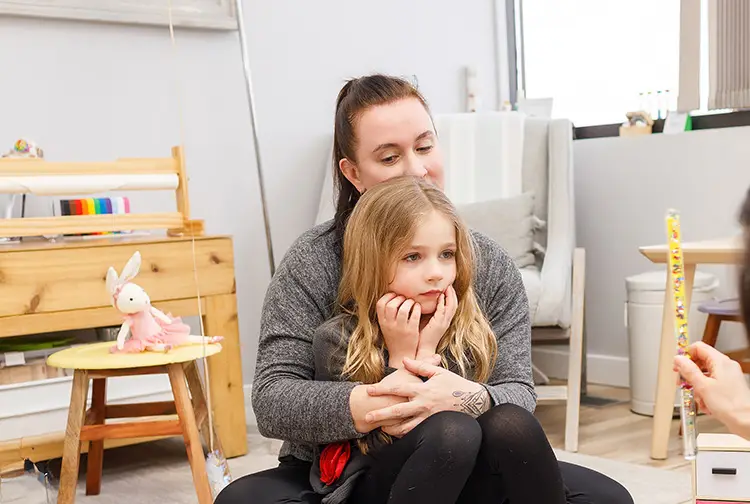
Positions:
(394, 140)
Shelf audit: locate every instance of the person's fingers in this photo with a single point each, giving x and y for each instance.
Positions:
(420, 368)
(689, 371)
(440, 310)
(436, 360)
(403, 428)
(402, 316)
(382, 302)
(391, 307)
(416, 316)
(705, 355)
(702, 405)
(398, 389)
(397, 411)
(453, 301)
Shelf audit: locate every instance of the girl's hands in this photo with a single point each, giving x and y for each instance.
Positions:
(399, 318)
(433, 332)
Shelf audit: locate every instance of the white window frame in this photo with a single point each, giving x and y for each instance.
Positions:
(207, 14)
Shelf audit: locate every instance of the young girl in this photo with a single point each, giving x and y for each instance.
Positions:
(406, 293)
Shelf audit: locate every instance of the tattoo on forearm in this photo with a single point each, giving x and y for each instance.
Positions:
(472, 403)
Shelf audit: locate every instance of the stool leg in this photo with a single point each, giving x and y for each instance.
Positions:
(96, 448)
(72, 443)
(193, 445)
(711, 332)
(198, 395)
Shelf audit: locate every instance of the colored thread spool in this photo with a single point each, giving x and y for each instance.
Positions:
(96, 206)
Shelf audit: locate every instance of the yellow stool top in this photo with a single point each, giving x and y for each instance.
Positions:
(98, 356)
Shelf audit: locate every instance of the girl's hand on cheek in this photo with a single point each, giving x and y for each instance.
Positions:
(399, 318)
(438, 324)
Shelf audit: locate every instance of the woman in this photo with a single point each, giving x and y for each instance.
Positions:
(722, 391)
(383, 129)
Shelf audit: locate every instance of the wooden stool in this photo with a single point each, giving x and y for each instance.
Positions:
(95, 362)
(725, 310)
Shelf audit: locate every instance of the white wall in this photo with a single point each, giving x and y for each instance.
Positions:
(87, 91)
(302, 53)
(92, 91)
(624, 187)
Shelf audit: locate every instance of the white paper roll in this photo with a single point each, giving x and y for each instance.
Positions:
(50, 185)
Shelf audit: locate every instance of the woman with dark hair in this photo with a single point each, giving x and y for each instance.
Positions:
(383, 129)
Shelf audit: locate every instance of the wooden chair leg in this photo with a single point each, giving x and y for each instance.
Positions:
(711, 332)
(666, 378)
(575, 359)
(185, 411)
(72, 442)
(200, 406)
(96, 448)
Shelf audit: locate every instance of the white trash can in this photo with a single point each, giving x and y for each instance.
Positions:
(643, 319)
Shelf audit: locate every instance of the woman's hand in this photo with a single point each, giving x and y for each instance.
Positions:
(433, 332)
(361, 403)
(399, 318)
(444, 390)
(722, 391)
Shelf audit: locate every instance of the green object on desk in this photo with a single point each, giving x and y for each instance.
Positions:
(677, 122)
(31, 343)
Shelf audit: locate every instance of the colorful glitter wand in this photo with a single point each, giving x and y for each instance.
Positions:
(677, 277)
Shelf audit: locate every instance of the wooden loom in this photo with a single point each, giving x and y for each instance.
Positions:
(40, 177)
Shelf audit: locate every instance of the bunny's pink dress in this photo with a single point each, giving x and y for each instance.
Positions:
(147, 330)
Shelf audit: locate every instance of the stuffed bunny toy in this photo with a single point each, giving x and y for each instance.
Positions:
(149, 328)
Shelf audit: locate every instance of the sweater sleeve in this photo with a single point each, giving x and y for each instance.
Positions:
(501, 290)
(287, 401)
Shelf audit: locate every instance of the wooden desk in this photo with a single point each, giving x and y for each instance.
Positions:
(49, 287)
(725, 251)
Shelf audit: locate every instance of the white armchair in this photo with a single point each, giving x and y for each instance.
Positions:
(559, 314)
(536, 162)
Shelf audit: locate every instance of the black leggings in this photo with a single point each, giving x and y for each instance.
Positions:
(503, 457)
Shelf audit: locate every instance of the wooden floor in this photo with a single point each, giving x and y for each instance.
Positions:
(612, 431)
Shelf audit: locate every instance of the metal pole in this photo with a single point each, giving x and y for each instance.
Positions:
(521, 48)
(256, 146)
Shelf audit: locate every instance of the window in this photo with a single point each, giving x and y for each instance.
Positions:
(598, 59)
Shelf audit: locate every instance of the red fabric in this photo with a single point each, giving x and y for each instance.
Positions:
(333, 460)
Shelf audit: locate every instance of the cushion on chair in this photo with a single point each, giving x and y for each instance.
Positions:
(548, 172)
(725, 307)
(508, 221)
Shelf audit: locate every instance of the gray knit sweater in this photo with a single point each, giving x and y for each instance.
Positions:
(289, 404)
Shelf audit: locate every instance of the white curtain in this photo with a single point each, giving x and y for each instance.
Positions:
(483, 155)
(729, 54)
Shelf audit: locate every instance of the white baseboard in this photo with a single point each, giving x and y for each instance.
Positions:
(601, 369)
(41, 407)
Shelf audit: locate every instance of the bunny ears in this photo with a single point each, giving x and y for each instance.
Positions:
(115, 283)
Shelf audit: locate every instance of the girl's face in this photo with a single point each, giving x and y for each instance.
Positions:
(393, 140)
(428, 266)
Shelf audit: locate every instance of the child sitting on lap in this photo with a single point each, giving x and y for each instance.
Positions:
(405, 292)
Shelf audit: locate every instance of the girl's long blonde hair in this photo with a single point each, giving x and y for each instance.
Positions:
(378, 231)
